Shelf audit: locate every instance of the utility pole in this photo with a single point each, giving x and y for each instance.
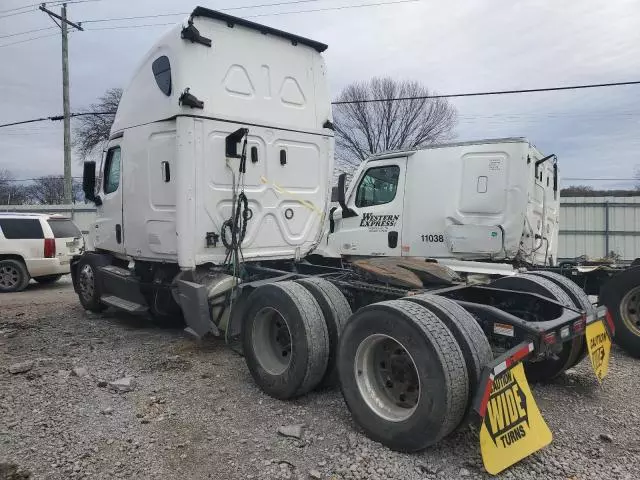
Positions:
(64, 23)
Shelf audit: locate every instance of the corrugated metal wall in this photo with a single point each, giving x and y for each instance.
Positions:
(594, 226)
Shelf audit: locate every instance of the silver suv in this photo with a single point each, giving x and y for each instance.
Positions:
(38, 246)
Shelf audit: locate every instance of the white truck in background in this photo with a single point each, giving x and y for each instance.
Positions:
(215, 190)
(495, 200)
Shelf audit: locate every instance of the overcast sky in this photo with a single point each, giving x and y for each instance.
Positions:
(451, 46)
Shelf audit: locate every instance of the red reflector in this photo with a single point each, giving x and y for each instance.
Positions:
(579, 325)
(49, 248)
(549, 338)
(612, 326)
(519, 355)
(485, 398)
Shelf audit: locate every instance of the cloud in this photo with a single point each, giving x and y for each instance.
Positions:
(452, 46)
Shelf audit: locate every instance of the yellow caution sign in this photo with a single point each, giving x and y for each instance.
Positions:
(513, 427)
(599, 345)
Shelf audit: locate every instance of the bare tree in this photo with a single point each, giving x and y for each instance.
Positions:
(364, 128)
(49, 190)
(576, 191)
(11, 192)
(92, 131)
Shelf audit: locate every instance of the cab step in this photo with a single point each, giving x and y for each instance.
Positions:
(122, 288)
(122, 304)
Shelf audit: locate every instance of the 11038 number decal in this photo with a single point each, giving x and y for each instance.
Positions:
(433, 238)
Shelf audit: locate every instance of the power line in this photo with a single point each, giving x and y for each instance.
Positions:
(499, 92)
(28, 40)
(245, 7)
(345, 7)
(16, 13)
(272, 14)
(28, 31)
(19, 8)
(422, 97)
(55, 118)
(120, 27)
(32, 8)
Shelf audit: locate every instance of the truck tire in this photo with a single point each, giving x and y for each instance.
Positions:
(548, 368)
(621, 295)
(470, 337)
(285, 340)
(89, 287)
(14, 276)
(47, 279)
(336, 311)
(579, 298)
(388, 352)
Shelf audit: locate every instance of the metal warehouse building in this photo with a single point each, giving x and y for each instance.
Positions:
(598, 225)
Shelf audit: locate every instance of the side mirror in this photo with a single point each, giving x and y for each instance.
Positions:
(346, 211)
(341, 190)
(89, 183)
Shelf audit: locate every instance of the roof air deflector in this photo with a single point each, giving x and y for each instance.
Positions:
(230, 19)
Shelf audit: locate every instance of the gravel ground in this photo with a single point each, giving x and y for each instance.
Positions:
(193, 411)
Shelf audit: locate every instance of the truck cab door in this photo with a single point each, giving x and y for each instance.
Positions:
(373, 221)
(109, 232)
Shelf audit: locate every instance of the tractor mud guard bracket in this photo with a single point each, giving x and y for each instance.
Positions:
(504, 362)
(195, 307)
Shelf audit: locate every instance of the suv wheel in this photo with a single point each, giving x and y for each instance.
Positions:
(13, 276)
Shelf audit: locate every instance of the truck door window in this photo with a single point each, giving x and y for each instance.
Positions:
(378, 186)
(112, 171)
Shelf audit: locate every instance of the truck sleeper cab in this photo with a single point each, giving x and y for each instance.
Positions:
(493, 200)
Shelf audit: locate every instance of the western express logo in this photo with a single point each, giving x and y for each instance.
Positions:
(506, 411)
(372, 220)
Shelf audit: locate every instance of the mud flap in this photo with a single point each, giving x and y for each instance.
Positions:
(511, 425)
(195, 307)
(598, 339)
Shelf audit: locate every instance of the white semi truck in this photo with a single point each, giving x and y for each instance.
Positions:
(494, 200)
(483, 208)
(213, 195)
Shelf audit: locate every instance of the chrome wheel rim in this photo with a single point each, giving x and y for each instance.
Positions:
(630, 310)
(86, 282)
(271, 339)
(387, 377)
(9, 276)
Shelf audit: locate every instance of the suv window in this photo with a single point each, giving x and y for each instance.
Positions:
(378, 186)
(21, 228)
(112, 171)
(64, 228)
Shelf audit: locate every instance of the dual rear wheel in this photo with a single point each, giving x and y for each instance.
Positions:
(407, 369)
(563, 290)
(290, 335)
